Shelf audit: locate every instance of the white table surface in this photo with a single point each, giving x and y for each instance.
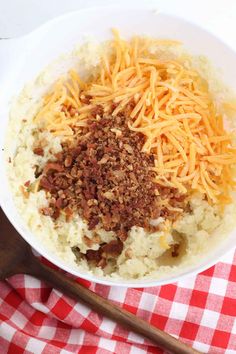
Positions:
(18, 17)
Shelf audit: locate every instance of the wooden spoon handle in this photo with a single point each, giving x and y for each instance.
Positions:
(69, 287)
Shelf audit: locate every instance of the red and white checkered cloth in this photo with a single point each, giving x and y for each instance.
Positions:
(200, 310)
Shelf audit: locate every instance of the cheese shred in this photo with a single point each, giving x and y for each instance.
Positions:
(165, 101)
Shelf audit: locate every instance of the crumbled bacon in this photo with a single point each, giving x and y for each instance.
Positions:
(46, 184)
(93, 255)
(114, 247)
(59, 203)
(108, 180)
(27, 183)
(54, 166)
(38, 151)
(108, 250)
(175, 250)
(97, 111)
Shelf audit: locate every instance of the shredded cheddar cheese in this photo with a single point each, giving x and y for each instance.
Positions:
(164, 100)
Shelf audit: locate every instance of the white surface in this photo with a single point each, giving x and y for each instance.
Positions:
(18, 17)
(60, 35)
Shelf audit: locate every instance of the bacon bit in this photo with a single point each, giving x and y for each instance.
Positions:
(113, 248)
(93, 222)
(175, 250)
(56, 214)
(110, 250)
(93, 255)
(27, 183)
(38, 151)
(9, 159)
(122, 234)
(97, 111)
(44, 183)
(59, 203)
(76, 151)
(54, 166)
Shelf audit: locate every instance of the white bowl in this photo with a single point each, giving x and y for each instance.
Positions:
(22, 59)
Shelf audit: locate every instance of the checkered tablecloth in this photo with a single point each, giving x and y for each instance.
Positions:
(200, 310)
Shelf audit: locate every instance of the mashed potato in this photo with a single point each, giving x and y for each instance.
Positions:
(145, 254)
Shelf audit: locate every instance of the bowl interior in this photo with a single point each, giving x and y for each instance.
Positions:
(30, 54)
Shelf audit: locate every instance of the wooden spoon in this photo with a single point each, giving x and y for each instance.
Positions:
(16, 257)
